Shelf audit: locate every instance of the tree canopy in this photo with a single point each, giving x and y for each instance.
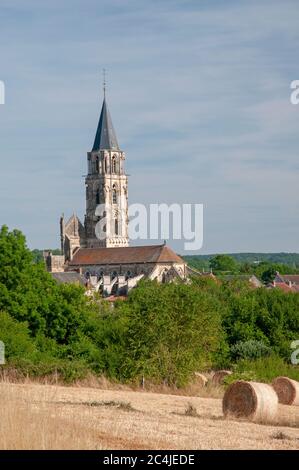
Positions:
(162, 332)
(223, 263)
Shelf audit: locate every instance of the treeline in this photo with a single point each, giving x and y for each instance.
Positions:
(290, 259)
(263, 266)
(161, 333)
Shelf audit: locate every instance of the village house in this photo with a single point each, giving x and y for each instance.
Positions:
(285, 282)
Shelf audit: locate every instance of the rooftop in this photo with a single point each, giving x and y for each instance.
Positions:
(68, 278)
(125, 255)
(105, 138)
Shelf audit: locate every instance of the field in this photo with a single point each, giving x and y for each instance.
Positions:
(35, 416)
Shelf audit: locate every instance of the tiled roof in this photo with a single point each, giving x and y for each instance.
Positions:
(68, 278)
(125, 255)
(284, 287)
(294, 278)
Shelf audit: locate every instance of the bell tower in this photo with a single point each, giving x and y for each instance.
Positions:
(106, 219)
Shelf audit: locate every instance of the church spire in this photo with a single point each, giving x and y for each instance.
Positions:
(106, 187)
(105, 138)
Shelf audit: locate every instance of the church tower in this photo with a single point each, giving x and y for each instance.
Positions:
(106, 219)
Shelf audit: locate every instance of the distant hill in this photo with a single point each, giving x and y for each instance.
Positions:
(290, 259)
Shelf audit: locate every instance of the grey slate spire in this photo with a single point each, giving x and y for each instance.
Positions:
(105, 138)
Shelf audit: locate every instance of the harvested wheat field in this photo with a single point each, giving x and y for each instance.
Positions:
(36, 416)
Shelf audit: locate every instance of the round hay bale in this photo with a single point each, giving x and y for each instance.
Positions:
(253, 401)
(287, 390)
(200, 379)
(219, 376)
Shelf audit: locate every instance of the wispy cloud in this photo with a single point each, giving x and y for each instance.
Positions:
(199, 95)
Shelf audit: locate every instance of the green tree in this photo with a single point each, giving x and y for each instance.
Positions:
(173, 330)
(270, 316)
(223, 263)
(62, 321)
(268, 275)
(16, 337)
(267, 270)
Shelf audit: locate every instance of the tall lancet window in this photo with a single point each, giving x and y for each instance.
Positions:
(105, 165)
(98, 197)
(113, 164)
(114, 195)
(97, 164)
(116, 226)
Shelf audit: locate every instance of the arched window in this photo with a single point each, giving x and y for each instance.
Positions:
(114, 195)
(113, 164)
(116, 226)
(97, 164)
(105, 165)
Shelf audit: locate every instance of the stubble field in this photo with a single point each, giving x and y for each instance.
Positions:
(34, 416)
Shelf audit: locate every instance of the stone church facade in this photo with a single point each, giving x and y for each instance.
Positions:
(99, 248)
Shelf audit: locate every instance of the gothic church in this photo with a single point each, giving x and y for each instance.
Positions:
(99, 248)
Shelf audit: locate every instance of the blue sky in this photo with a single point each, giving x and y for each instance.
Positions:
(199, 93)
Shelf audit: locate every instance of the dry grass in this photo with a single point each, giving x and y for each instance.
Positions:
(211, 390)
(191, 410)
(36, 416)
(280, 435)
(120, 405)
(25, 426)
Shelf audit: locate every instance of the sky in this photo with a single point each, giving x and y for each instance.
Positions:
(199, 93)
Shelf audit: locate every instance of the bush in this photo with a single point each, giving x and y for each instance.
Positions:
(251, 349)
(267, 316)
(263, 370)
(65, 370)
(172, 331)
(16, 338)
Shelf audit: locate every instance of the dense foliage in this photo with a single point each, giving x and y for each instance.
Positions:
(162, 332)
(223, 263)
(173, 331)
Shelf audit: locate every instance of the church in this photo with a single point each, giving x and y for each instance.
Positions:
(99, 248)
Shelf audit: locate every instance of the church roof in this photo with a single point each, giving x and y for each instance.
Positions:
(105, 138)
(68, 278)
(125, 255)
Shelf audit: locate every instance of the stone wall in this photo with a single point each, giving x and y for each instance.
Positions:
(55, 263)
